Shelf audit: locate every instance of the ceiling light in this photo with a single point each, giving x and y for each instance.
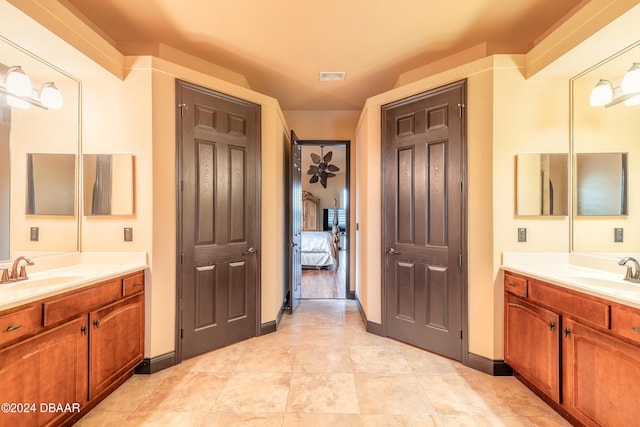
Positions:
(631, 81)
(332, 76)
(602, 94)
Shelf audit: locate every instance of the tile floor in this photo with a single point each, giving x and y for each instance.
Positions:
(321, 369)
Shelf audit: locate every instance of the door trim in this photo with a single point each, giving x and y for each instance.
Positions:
(464, 274)
(347, 183)
(179, 85)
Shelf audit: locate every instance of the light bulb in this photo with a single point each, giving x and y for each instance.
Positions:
(18, 83)
(631, 80)
(50, 96)
(602, 94)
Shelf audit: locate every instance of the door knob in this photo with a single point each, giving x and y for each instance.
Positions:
(293, 245)
(392, 251)
(250, 251)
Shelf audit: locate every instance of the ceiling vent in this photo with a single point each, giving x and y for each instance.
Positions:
(332, 76)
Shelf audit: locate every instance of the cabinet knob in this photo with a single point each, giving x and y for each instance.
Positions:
(84, 329)
(551, 325)
(96, 323)
(567, 332)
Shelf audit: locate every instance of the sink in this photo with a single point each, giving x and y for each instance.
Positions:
(43, 282)
(604, 282)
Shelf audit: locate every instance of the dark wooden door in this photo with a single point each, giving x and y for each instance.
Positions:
(295, 222)
(423, 206)
(219, 218)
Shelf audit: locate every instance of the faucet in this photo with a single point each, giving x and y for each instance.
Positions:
(13, 275)
(631, 276)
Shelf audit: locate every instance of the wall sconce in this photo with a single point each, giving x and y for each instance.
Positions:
(605, 94)
(15, 83)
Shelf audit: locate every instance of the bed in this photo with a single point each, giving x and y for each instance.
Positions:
(319, 249)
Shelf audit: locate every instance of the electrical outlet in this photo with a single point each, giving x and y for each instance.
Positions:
(618, 235)
(128, 234)
(522, 234)
(35, 234)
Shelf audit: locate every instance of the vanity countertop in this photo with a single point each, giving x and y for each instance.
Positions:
(67, 273)
(601, 276)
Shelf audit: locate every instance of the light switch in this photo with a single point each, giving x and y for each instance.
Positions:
(128, 234)
(35, 234)
(618, 235)
(522, 234)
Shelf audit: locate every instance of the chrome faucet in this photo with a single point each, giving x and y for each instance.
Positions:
(631, 276)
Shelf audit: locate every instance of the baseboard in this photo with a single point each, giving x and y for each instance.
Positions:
(496, 368)
(156, 363)
(374, 328)
(269, 327)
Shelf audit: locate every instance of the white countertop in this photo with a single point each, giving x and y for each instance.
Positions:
(62, 273)
(600, 276)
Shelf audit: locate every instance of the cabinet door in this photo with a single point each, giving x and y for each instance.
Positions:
(531, 344)
(117, 342)
(51, 368)
(601, 381)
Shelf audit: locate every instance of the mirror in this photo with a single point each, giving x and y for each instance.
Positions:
(601, 184)
(542, 184)
(36, 130)
(108, 184)
(51, 184)
(608, 129)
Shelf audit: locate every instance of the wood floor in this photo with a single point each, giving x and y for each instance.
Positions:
(325, 283)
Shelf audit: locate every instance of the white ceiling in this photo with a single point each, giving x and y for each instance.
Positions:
(281, 46)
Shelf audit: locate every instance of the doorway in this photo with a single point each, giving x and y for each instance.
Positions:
(218, 283)
(424, 220)
(325, 212)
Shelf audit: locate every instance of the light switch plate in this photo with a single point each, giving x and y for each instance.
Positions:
(128, 234)
(618, 235)
(34, 234)
(522, 234)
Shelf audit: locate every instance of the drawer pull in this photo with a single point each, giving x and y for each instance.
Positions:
(551, 325)
(135, 285)
(513, 285)
(636, 330)
(13, 327)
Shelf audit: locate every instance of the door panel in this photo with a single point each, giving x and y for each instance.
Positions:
(423, 156)
(219, 218)
(295, 222)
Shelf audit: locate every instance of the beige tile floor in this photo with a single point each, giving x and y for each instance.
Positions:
(321, 369)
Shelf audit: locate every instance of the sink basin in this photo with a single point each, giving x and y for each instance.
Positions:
(609, 283)
(44, 282)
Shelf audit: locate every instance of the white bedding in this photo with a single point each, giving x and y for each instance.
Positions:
(316, 248)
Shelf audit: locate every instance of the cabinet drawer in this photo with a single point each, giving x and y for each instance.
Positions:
(20, 323)
(590, 311)
(515, 285)
(625, 322)
(82, 301)
(133, 284)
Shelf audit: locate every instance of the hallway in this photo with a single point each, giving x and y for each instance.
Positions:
(321, 369)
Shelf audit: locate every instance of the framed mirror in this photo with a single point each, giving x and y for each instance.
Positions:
(108, 184)
(601, 184)
(611, 128)
(51, 184)
(542, 184)
(36, 130)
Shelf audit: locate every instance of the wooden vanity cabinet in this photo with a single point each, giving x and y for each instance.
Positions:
(532, 344)
(589, 368)
(86, 343)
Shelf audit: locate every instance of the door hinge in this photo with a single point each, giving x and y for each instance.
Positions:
(460, 260)
(181, 258)
(181, 333)
(461, 186)
(461, 334)
(182, 108)
(460, 107)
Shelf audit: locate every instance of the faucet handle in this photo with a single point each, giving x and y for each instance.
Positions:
(23, 273)
(5, 275)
